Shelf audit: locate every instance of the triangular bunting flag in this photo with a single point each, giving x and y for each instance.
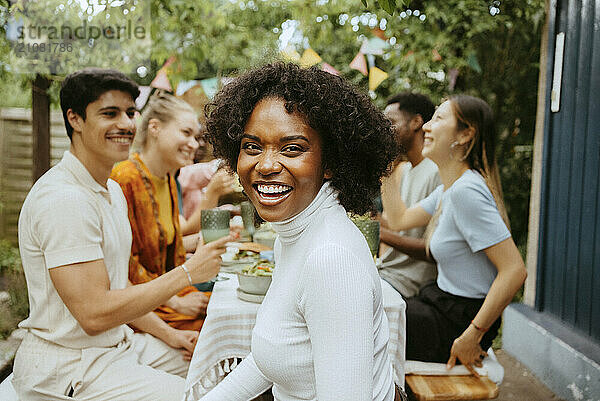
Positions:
(210, 86)
(141, 100)
(359, 63)
(376, 77)
(161, 81)
(184, 86)
(373, 46)
(473, 63)
(370, 60)
(309, 58)
(290, 54)
(452, 76)
(169, 61)
(196, 98)
(329, 68)
(379, 33)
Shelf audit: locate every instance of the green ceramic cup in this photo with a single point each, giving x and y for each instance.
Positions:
(247, 210)
(370, 229)
(215, 224)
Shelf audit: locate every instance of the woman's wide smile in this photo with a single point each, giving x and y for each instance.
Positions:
(272, 193)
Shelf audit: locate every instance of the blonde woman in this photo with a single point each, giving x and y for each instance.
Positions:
(167, 140)
(479, 266)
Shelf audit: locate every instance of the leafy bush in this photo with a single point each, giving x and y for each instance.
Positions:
(9, 257)
(11, 273)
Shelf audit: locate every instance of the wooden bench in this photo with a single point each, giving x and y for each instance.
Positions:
(451, 388)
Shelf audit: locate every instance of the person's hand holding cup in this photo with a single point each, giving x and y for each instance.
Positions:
(205, 263)
(214, 226)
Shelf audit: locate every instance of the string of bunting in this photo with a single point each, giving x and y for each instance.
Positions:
(370, 48)
(364, 62)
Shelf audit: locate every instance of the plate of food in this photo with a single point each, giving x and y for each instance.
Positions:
(236, 257)
(239, 255)
(255, 279)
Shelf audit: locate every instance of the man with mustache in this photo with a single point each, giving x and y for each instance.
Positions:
(75, 242)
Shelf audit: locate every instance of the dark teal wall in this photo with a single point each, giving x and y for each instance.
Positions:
(569, 251)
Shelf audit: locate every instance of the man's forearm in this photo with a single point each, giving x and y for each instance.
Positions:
(413, 247)
(85, 290)
(393, 205)
(138, 300)
(152, 324)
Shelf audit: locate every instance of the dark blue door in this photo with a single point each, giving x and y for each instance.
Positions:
(569, 250)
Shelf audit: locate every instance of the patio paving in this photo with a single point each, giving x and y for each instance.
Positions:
(520, 384)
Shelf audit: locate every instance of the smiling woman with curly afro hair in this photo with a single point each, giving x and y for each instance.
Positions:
(357, 140)
(308, 148)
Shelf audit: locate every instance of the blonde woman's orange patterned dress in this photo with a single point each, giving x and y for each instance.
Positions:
(151, 256)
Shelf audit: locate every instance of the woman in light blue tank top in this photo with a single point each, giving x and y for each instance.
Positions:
(479, 266)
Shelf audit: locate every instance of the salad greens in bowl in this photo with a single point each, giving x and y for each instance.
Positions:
(256, 278)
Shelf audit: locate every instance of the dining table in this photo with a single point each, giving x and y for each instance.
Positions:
(226, 336)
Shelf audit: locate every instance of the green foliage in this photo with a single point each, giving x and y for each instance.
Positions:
(211, 38)
(10, 261)
(16, 92)
(486, 48)
(388, 5)
(59, 37)
(17, 307)
(496, 58)
(11, 275)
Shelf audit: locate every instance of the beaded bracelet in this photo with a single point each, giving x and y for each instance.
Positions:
(483, 330)
(190, 277)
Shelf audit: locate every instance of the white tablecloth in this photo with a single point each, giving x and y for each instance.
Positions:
(227, 332)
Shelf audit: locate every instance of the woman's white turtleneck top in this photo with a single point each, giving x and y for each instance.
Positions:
(321, 332)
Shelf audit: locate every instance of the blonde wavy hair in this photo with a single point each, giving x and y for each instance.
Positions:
(480, 153)
(163, 107)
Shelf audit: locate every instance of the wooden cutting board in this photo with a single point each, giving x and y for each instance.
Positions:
(451, 388)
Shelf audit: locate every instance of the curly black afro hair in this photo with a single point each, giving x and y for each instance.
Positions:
(358, 141)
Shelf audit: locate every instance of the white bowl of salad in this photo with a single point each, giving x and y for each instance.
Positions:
(256, 278)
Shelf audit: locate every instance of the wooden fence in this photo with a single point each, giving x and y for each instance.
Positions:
(16, 162)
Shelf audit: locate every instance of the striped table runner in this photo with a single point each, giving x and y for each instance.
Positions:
(226, 335)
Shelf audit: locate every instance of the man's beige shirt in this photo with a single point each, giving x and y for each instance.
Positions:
(69, 218)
